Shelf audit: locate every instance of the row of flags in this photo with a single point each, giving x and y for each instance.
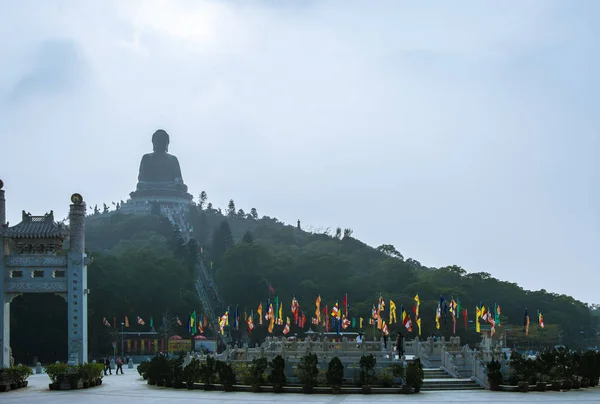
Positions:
(272, 314)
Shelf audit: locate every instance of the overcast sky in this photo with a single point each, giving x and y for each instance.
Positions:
(462, 132)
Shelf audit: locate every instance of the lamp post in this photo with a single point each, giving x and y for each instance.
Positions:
(122, 330)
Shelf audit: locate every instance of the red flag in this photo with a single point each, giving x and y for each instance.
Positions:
(271, 289)
(464, 314)
(345, 303)
(115, 321)
(326, 319)
(205, 321)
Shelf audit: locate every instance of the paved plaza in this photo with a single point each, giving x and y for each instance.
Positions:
(131, 389)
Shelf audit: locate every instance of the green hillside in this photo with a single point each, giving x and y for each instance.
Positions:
(141, 267)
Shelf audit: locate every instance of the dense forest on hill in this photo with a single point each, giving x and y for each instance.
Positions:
(249, 252)
(142, 267)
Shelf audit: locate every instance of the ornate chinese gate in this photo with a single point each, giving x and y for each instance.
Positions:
(39, 255)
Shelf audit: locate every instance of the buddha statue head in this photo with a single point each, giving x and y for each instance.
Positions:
(160, 141)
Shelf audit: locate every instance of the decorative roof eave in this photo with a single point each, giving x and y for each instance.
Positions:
(35, 227)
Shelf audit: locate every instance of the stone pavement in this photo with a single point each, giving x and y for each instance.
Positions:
(130, 389)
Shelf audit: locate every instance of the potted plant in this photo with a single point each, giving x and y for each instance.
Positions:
(398, 373)
(385, 377)
(226, 375)
(191, 373)
(142, 369)
(523, 386)
(555, 385)
(207, 373)
(367, 372)
(257, 373)
(335, 375)
(277, 376)
(585, 382)
(415, 375)
(177, 366)
(308, 371)
(74, 376)
(57, 374)
(494, 374)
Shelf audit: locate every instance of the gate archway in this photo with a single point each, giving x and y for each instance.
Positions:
(39, 255)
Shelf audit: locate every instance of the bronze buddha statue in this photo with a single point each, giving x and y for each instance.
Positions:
(160, 170)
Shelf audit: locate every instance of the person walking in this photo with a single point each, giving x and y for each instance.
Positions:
(119, 365)
(400, 345)
(107, 366)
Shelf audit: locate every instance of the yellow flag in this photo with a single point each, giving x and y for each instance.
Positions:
(477, 315)
(361, 321)
(393, 312)
(419, 324)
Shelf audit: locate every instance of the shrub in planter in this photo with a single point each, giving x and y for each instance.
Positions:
(177, 366)
(192, 373)
(575, 384)
(208, 370)
(226, 375)
(277, 377)
(566, 385)
(242, 373)
(523, 387)
(308, 371)
(540, 386)
(257, 373)
(57, 372)
(335, 374)
(555, 385)
(585, 382)
(415, 375)
(74, 375)
(367, 372)
(385, 377)
(494, 375)
(18, 374)
(142, 369)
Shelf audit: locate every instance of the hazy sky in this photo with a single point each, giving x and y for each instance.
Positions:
(462, 132)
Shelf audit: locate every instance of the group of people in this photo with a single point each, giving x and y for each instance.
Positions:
(399, 342)
(118, 363)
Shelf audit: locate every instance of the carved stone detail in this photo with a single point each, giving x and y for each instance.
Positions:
(35, 261)
(36, 287)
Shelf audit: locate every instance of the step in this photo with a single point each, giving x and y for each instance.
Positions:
(452, 384)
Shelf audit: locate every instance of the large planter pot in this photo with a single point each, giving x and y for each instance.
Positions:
(575, 384)
(255, 388)
(99, 382)
(228, 387)
(540, 386)
(417, 389)
(13, 386)
(566, 385)
(169, 383)
(145, 376)
(523, 387)
(366, 389)
(190, 386)
(277, 388)
(160, 383)
(494, 386)
(585, 383)
(54, 386)
(209, 387)
(25, 383)
(555, 385)
(336, 389)
(179, 385)
(307, 389)
(406, 389)
(86, 385)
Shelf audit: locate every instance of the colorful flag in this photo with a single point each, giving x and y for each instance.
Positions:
(151, 322)
(106, 323)
(318, 309)
(497, 319)
(526, 322)
(193, 323)
(260, 313)
(126, 322)
(438, 316)
(406, 322)
(178, 321)
(345, 303)
(416, 308)
(384, 329)
(250, 323)
(477, 317)
(360, 325)
(286, 328)
(465, 318)
(393, 317)
(540, 320)
(140, 321)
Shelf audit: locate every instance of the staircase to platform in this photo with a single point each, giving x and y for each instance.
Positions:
(438, 379)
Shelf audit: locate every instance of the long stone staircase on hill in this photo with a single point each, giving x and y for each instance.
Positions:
(436, 378)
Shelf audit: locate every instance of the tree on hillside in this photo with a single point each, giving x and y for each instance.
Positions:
(338, 233)
(254, 213)
(390, 251)
(202, 199)
(241, 214)
(222, 240)
(209, 207)
(248, 238)
(348, 233)
(231, 209)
